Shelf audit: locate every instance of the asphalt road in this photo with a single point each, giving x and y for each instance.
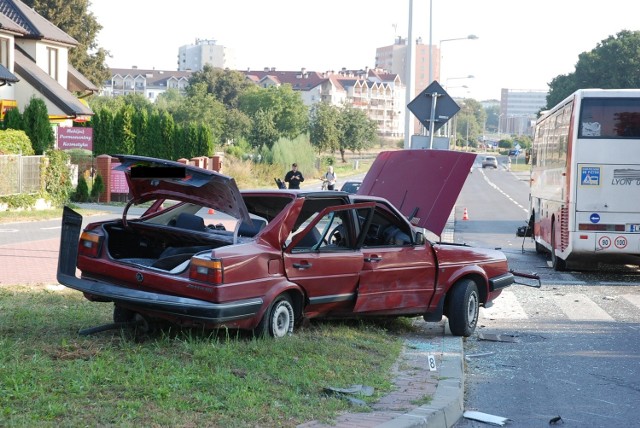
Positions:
(568, 350)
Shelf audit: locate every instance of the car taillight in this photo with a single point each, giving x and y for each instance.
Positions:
(204, 270)
(90, 244)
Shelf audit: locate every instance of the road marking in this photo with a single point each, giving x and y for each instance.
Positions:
(578, 307)
(633, 298)
(492, 184)
(51, 228)
(506, 306)
(9, 230)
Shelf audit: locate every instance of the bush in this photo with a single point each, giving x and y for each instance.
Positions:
(82, 190)
(97, 188)
(57, 177)
(13, 142)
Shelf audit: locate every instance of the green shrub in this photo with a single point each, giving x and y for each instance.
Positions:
(13, 142)
(82, 190)
(57, 178)
(97, 188)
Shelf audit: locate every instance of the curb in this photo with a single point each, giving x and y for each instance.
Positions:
(448, 401)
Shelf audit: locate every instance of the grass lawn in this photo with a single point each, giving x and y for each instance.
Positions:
(52, 376)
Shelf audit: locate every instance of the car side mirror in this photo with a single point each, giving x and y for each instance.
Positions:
(420, 240)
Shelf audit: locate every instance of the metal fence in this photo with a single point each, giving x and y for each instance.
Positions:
(20, 174)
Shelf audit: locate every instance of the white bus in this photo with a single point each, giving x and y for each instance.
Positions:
(585, 179)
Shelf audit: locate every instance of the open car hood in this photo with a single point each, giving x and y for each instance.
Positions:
(423, 184)
(151, 178)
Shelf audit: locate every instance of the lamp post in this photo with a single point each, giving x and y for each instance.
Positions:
(409, 75)
(469, 37)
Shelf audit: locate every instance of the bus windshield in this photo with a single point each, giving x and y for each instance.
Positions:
(610, 118)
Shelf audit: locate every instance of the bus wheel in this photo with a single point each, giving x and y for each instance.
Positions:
(557, 263)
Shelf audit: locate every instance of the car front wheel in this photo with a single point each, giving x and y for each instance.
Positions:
(464, 307)
(279, 319)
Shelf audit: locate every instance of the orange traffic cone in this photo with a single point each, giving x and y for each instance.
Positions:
(465, 215)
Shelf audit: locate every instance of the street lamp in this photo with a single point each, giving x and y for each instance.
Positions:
(469, 37)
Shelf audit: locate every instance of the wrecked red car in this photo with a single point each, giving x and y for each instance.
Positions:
(280, 256)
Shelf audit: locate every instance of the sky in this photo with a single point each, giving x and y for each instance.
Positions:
(520, 44)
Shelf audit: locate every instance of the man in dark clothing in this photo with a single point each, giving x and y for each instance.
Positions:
(294, 177)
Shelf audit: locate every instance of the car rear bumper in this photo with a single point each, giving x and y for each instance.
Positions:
(166, 304)
(501, 281)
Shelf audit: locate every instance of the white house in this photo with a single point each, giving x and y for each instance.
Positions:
(35, 62)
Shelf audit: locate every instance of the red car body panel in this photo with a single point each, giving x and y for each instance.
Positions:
(422, 184)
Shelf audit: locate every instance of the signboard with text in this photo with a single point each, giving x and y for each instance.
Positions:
(75, 138)
(118, 183)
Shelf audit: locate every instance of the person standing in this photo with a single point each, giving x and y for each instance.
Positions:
(330, 178)
(294, 177)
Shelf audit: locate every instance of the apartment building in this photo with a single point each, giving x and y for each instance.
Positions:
(394, 59)
(519, 109)
(205, 51)
(379, 93)
(149, 83)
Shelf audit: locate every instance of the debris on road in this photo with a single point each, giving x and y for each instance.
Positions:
(485, 417)
(497, 337)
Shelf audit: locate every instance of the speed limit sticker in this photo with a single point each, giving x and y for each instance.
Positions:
(432, 362)
(604, 242)
(620, 242)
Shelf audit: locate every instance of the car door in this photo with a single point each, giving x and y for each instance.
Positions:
(398, 275)
(322, 257)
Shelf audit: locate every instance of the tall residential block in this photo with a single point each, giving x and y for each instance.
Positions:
(194, 57)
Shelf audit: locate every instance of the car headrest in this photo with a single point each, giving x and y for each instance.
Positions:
(190, 222)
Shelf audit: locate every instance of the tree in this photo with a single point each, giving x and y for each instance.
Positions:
(200, 107)
(470, 122)
(493, 118)
(285, 106)
(74, 18)
(37, 126)
(613, 63)
(263, 131)
(123, 130)
(13, 119)
(357, 131)
(324, 127)
(225, 85)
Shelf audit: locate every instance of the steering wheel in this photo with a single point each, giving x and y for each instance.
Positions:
(338, 236)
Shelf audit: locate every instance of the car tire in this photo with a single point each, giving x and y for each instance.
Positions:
(278, 320)
(464, 308)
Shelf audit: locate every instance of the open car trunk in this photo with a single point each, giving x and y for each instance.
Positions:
(162, 247)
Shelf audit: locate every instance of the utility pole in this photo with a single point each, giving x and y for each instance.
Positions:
(409, 73)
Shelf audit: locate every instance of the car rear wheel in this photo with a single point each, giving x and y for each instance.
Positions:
(279, 319)
(464, 307)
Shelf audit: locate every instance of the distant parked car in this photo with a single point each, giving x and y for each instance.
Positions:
(490, 161)
(514, 152)
(351, 186)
